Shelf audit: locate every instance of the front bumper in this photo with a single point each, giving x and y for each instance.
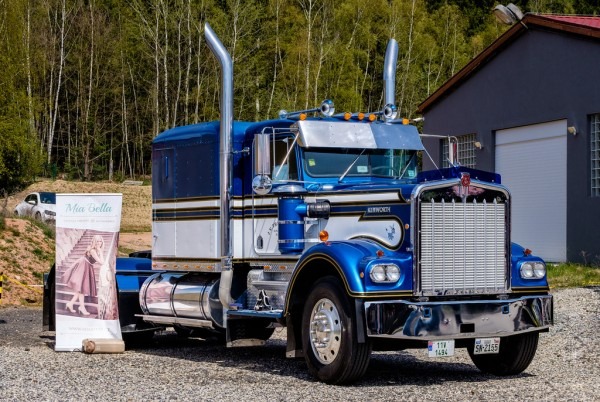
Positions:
(400, 319)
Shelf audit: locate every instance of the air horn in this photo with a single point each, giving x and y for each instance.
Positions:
(326, 109)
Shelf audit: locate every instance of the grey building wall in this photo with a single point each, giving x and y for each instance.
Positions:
(542, 76)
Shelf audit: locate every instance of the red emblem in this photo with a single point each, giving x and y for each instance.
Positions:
(465, 179)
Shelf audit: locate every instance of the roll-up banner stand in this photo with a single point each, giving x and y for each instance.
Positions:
(87, 234)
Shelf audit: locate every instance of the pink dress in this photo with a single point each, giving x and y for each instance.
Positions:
(80, 277)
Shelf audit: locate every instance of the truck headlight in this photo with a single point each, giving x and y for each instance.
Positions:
(533, 270)
(527, 270)
(539, 269)
(385, 273)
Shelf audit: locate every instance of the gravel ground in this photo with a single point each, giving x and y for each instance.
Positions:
(566, 367)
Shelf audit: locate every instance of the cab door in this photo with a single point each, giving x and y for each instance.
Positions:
(284, 170)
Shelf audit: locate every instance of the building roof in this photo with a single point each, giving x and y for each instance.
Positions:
(584, 20)
(575, 24)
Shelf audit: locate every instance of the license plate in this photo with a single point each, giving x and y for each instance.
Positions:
(486, 346)
(440, 348)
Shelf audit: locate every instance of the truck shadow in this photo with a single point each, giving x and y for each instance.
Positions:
(385, 368)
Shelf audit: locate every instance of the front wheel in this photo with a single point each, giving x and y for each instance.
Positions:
(38, 216)
(331, 349)
(516, 353)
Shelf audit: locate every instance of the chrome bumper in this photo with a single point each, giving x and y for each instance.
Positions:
(400, 319)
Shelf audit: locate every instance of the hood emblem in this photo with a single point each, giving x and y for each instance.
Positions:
(465, 179)
(465, 182)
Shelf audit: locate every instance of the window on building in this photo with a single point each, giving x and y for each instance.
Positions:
(595, 154)
(466, 151)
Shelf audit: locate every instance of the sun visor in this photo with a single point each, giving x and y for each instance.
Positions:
(339, 134)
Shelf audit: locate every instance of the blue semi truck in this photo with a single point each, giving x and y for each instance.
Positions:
(326, 226)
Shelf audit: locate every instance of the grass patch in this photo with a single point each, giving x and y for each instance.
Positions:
(569, 275)
(39, 253)
(125, 251)
(135, 228)
(38, 275)
(49, 230)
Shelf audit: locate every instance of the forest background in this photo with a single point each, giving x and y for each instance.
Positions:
(85, 85)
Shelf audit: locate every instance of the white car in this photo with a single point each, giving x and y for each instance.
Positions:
(41, 206)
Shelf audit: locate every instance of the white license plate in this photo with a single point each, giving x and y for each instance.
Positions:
(440, 348)
(486, 346)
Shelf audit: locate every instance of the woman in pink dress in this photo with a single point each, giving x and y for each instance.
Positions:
(81, 277)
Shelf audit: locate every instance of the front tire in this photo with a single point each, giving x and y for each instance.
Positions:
(331, 348)
(38, 216)
(516, 353)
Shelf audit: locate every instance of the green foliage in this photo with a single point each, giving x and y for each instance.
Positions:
(2, 223)
(19, 155)
(572, 275)
(86, 85)
(39, 253)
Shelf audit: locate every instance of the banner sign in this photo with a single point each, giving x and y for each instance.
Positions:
(87, 234)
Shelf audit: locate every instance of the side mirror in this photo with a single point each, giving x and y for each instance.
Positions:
(262, 184)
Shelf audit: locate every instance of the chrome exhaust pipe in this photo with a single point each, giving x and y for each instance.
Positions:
(389, 73)
(225, 161)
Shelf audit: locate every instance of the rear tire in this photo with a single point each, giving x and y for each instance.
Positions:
(331, 348)
(516, 353)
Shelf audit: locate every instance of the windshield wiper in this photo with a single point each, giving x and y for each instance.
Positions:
(406, 166)
(350, 167)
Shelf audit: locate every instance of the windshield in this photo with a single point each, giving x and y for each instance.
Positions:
(390, 163)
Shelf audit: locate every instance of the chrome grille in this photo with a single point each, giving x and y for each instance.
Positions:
(462, 247)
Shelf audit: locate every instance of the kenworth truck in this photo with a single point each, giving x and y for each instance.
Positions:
(324, 225)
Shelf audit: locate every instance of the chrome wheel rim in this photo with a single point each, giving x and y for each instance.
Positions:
(325, 331)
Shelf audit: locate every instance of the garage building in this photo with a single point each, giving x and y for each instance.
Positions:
(528, 107)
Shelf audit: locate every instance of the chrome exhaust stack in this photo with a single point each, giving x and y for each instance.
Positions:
(225, 162)
(389, 73)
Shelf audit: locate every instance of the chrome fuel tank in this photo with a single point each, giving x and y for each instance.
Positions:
(182, 295)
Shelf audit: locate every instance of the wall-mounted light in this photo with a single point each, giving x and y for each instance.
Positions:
(478, 145)
(572, 130)
(509, 14)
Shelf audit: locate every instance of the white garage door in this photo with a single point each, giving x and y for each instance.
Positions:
(533, 163)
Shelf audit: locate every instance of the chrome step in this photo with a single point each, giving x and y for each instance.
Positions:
(187, 322)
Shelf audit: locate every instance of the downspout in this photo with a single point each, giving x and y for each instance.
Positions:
(225, 163)
(389, 73)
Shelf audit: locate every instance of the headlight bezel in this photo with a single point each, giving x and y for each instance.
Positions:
(532, 270)
(385, 273)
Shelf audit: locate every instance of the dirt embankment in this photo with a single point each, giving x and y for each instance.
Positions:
(27, 250)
